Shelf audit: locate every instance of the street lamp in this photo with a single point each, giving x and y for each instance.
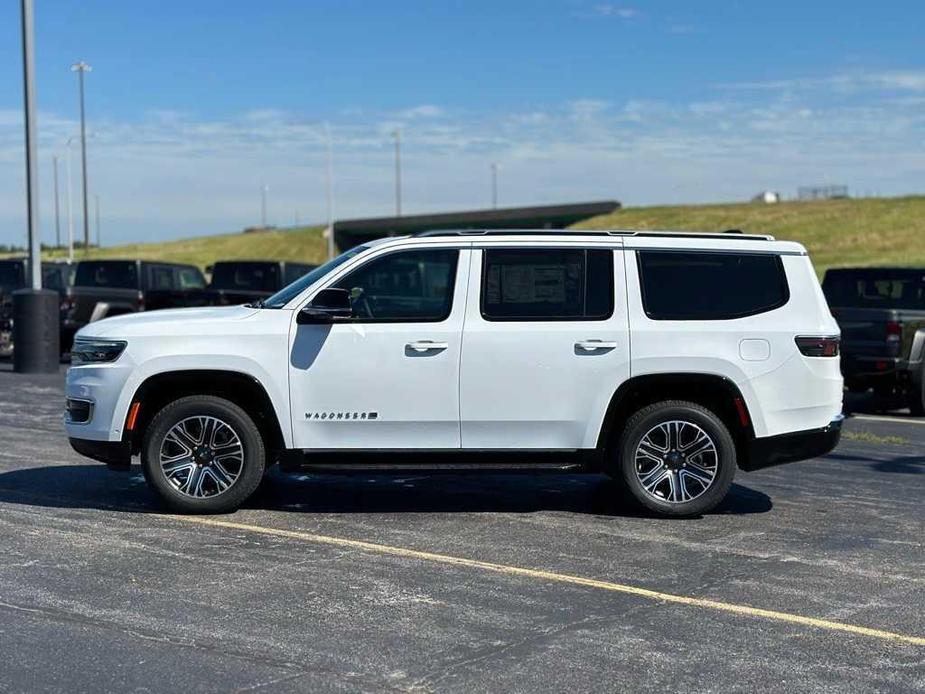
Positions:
(54, 161)
(80, 68)
(397, 135)
(263, 205)
(494, 185)
(70, 205)
(329, 188)
(99, 244)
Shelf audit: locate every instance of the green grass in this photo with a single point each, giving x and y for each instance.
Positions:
(869, 437)
(866, 231)
(303, 245)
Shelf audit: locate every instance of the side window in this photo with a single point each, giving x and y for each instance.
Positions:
(404, 286)
(191, 278)
(161, 277)
(710, 286)
(543, 284)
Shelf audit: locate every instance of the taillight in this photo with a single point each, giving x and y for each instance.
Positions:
(812, 346)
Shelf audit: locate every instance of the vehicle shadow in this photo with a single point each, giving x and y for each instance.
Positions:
(96, 487)
(902, 464)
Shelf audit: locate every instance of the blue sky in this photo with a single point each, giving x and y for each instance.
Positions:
(194, 105)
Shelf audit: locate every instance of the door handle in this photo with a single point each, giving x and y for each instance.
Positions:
(427, 346)
(592, 345)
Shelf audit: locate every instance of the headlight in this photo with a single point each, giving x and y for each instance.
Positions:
(90, 351)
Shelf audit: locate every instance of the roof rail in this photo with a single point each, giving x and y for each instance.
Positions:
(595, 232)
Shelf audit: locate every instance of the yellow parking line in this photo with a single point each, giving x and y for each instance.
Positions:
(557, 577)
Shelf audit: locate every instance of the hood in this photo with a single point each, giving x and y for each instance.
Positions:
(166, 322)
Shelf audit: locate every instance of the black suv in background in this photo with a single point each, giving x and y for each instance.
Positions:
(13, 273)
(104, 288)
(245, 281)
(881, 313)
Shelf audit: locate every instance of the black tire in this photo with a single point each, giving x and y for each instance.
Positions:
(707, 496)
(916, 399)
(251, 468)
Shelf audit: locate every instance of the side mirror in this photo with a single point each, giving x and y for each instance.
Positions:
(327, 305)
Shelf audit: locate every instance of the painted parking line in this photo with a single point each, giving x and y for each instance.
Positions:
(878, 418)
(654, 595)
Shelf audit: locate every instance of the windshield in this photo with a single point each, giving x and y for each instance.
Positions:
(246, 276)
(287, 294)
(109, 274)
(875, 288)
(11, 275)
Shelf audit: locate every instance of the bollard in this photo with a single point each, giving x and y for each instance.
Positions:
(36, 331)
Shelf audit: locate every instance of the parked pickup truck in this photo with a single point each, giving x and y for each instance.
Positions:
(13, 274)
(105, 288)
(245, 281)
(881, 312)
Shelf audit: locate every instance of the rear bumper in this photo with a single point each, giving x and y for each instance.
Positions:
(789, 448)
(116, 454)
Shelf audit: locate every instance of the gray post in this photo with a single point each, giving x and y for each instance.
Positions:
(96, 200)
(54, 161)
(80, 68)
(397, 135)
(32, 174)
(35, 311)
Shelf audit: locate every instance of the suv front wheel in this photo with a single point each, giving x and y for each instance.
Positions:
(677, 458)
(203, 454)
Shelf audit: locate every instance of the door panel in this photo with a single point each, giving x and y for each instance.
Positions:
(539, 384)
(375, 383)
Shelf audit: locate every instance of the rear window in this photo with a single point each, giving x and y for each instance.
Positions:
(109, 274)
(256, 277)
(542, 284)
(710, 286)
(875, 288)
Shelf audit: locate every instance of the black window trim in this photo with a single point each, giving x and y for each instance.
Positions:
(417, 249)
(785, 285)
(549, 319)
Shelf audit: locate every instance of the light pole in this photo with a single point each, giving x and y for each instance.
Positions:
(80, 68)
(397, 135)
(263, 205)
(54, 161)
(32, 174)
(329, 188)
(70, 205)
(494, 185)
(96, 200)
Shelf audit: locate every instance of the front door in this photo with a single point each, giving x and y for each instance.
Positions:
(389, 377)
(546, 344)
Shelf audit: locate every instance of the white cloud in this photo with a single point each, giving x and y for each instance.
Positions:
(618, 11)
(911, 80)
(422, 111)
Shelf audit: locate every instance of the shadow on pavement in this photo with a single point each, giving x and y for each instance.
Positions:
(96, 487)
(902, 464)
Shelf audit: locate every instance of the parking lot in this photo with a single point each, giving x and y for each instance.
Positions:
(810, 577)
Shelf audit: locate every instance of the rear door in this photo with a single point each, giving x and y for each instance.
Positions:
(545, 345)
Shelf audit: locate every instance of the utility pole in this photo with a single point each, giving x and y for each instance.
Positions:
(70, 204)
(263, 205)
(80, 68)
(36, 312)
(494, 185)
(397, 135)
(32, 174)
(329, 188)
(54, 161)
(96, 200)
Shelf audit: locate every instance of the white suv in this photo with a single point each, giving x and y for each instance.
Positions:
(663, 359)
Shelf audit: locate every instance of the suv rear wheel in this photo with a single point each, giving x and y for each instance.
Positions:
(677, 458)
(203, 454)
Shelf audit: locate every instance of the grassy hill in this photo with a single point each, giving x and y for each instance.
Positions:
(304, 244)
(869, 231)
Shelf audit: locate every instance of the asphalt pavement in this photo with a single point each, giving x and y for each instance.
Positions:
(810, 577)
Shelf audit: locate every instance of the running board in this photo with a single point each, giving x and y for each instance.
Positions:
(433, 461)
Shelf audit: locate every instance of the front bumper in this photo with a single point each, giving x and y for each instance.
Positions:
(116, 454)
(791, 447)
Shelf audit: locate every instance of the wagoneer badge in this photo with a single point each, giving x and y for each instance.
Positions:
(342, 415)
